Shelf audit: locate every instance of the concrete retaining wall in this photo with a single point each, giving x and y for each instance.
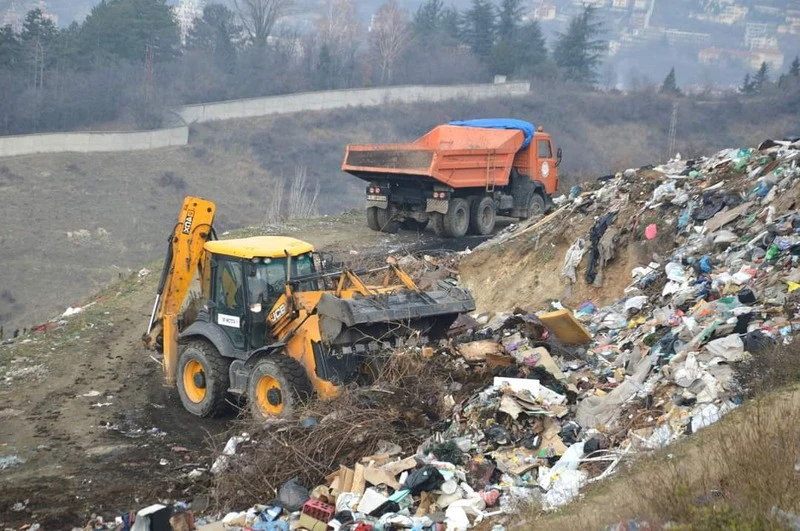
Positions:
(178, 135)
(336, 99)
(92, 142)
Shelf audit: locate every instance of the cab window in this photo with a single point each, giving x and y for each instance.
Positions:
(545, 151)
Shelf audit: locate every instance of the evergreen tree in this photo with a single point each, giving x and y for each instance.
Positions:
(325, 67)
(748, 85)
(215, 33)
(505, 58)
(428, 18)
(123, 29)
(670, 85)
(761, 79)
(531, 48)
(578, 51)
(794, 70)
(451, 23)
(10, 51)
(479, 28)
(508, 19)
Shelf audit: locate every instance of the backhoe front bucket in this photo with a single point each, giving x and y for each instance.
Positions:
(388, 316)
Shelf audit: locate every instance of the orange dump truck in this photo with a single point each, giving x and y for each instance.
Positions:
(458, 177)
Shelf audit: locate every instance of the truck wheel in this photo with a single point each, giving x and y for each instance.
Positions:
(437, 223)
(482, 216)
(536, 205)
(277, 386)
(372, 218)
(383, 217)
(203, 379)
(456, 221)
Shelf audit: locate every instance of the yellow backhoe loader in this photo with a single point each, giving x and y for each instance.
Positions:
(275, 326)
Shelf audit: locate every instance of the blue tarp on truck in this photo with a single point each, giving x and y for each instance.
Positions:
(501, 123)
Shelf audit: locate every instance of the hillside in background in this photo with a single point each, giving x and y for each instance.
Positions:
(71, 222)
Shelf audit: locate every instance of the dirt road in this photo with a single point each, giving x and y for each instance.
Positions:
(84, 409)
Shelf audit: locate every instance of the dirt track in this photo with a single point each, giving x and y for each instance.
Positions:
(86, 409)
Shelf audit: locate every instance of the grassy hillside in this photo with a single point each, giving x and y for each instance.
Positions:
(71, 222)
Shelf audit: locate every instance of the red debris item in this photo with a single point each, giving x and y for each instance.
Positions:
(319, 510)
(363, 527)
(651, 231)
(490, 496)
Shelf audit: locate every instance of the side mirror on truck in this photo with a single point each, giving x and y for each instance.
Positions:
(558, 157)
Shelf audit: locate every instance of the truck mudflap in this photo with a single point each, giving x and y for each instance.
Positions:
(391, 315)
(437, 205)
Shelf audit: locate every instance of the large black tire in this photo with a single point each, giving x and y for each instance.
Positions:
(203, 379)
(536, 205)
(456, 221)
(482, 216)
(372, 218)
(383, 217)
(437, 223)
(276, 387)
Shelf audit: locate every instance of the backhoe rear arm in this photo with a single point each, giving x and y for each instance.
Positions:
(184, 255)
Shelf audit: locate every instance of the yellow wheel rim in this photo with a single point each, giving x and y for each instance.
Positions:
(269, 396)
(192, 369)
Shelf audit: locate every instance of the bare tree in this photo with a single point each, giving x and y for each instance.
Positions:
(259, 17)
(339, 35)
(302, 201)
(275, 208)
(390, 35)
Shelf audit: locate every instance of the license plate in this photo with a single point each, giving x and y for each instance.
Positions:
(376, 198)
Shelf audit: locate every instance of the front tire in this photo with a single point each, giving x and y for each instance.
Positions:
(277, 386)
(203, 379)
(536, 205)
(456, 221)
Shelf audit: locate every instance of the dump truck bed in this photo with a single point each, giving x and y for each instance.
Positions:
(457, 156)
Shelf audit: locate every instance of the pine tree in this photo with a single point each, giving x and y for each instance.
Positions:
(215, 33)
(748, 85)
(505, 52)
(670, 85)
(428, 18)
(479, 28)
(578, 51)
(761, 79)
(794, 70)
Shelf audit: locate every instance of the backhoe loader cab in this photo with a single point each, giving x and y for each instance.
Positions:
(273, 327)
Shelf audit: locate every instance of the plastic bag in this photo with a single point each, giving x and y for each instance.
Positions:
(423, 479)
(292, 495)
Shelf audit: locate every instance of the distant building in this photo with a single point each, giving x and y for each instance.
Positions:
(185, 13)
(544, 12)
(756, 35)
(641, 5)
(731, 14)
(621, 4)
(750, 58)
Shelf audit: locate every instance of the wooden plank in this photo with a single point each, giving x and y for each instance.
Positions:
(359, 483)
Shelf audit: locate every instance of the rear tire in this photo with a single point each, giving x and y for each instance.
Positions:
(437, 223)
(456, 221)
(277, 386)
(536, 205)
(383, 217)
(482, 216)
(203, 379)
(372, 219)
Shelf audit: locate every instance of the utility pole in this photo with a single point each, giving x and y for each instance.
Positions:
(673, 127)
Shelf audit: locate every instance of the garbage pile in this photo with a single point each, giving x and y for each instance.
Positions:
(525, 408)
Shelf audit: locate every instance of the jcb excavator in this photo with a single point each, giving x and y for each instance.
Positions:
(268, 328)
